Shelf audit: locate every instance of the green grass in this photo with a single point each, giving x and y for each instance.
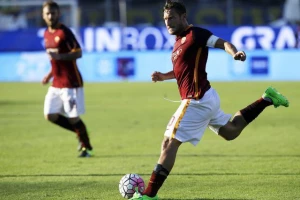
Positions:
(126, 121)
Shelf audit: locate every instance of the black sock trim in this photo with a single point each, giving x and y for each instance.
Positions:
(159, 169)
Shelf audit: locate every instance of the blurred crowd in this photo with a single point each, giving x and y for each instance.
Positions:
(149, 12)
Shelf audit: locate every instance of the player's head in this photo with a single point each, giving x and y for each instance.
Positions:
(175, 17)
(51, 13)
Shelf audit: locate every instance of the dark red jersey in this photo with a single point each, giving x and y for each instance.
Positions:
(65, 72)
(189, 58)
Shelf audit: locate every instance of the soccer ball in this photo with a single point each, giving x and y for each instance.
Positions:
(129, 183)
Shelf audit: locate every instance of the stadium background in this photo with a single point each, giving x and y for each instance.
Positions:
(127, 113)
(127, 39)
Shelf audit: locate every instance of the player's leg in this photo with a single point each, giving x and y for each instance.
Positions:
(163, 167)
(246, 115)
(232, 129)
(186, 125)
(73, 104)
(83, 137)
(53, 107)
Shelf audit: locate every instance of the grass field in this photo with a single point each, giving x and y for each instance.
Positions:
(126, 121)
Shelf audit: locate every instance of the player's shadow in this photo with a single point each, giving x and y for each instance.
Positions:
(174, 174)
(15, 102)
(197, 155)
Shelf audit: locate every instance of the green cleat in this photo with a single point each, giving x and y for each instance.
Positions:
(145, 197)
(276, 98)
(137, 195)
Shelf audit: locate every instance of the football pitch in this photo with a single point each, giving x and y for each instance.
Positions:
(126, 122)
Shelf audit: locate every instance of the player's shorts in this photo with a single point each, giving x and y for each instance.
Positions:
(66, 101)
(193, 117)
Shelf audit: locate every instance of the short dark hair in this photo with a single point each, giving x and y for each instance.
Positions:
(51, 4)
(179, 7)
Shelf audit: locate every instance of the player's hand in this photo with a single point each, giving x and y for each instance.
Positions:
(45, 80)
(240, 55)
(157, 76)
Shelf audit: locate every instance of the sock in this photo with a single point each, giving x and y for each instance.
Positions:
(157, 179)
(253, 110)
(64, 123)
(82, 134)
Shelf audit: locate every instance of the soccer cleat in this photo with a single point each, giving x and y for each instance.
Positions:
(137, 195)
(276, 98)
(85, 153)
(145, 197)
(80, 143)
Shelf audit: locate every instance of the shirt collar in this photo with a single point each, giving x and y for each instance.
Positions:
(183, 33)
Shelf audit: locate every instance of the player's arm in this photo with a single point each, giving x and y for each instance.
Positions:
(219, 43)
(74, 51)
(297, 39)
(158, 76)
(47, 78)
(72, 55)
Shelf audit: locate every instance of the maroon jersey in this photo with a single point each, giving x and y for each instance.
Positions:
(189, 58)
(65, 72)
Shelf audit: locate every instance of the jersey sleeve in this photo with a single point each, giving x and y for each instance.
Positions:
(201, 36)
(71, 41)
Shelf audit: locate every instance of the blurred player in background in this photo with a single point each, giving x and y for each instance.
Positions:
(200, 105)
(297, 35)
(64, 102)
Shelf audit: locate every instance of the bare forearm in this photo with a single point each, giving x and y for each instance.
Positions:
(230, 48)
(169, 75)
(47, 78)
(158, 76)
(49, 75)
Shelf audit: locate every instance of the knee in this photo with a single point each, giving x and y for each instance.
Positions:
(170, 143)
(74, 120)
(51, 117)
(230, 131)
(165, 144)
(231, 136)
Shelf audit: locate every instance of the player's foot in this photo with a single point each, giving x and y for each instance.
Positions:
(276, 98)
(80, 146)
(85, 153)
(137, 195)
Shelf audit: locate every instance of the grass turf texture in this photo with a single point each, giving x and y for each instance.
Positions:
(126, 123)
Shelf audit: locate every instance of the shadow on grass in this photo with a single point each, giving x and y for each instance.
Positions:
(71, 190)
(175, 174)
(200, 155)
(52, 190)
(15, 102)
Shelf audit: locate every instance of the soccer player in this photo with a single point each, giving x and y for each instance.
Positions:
(200, 105)
(64, 101)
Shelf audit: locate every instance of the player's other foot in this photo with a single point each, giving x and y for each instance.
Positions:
(85, 153)
(276, 98)
(137, 195)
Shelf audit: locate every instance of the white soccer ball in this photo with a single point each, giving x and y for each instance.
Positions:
(129, 183)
